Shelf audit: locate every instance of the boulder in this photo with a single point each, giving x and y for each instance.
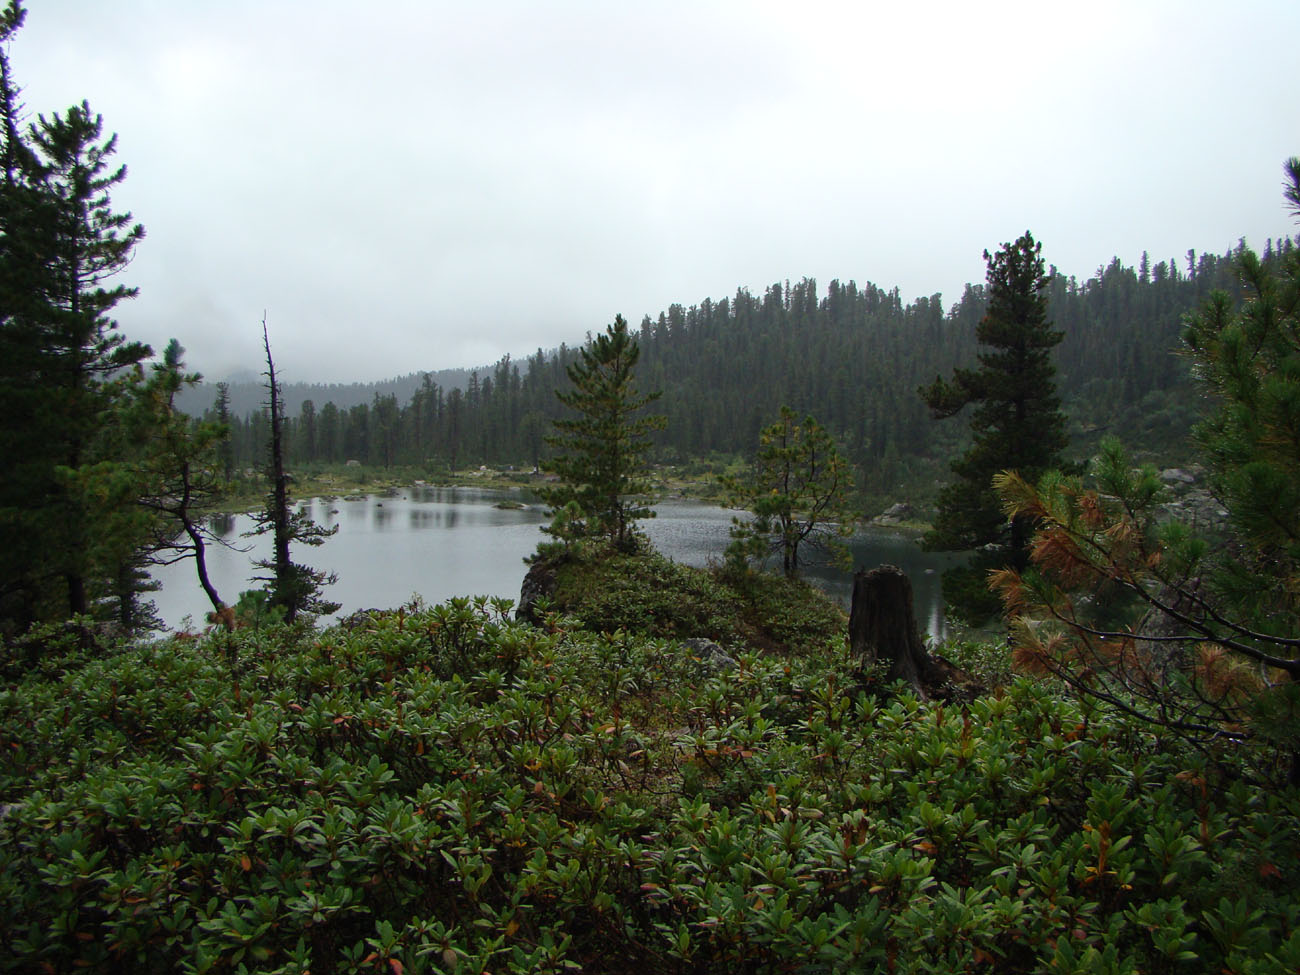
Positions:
(714, 659)
(895, 514)
(1198, 508)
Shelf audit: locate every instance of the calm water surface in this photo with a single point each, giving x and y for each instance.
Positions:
(442, 542)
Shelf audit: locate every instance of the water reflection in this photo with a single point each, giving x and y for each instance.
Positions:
(420, 518)
(221, 525)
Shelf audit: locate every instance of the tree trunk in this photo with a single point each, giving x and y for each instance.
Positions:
(78, 604)
(882, 626)
(283, 592)
(220, 610)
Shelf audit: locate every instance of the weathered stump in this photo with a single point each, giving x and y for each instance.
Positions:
(882, 628)
(538, 584)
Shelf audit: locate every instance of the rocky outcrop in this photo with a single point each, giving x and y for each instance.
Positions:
(711, 656)
(895, 514)
(1191, 500)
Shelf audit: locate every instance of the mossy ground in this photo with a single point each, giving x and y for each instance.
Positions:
(649, 595)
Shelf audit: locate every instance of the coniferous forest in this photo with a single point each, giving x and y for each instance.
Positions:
(851, 355)
(646, 767)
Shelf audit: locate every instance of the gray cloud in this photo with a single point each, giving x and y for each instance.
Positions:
(419, 185)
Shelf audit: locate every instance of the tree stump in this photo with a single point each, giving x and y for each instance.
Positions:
(539, 584)
(882, 628)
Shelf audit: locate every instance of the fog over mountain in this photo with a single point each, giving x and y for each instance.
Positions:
(426, 185)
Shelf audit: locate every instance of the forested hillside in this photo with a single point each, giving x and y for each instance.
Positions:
(853, 355)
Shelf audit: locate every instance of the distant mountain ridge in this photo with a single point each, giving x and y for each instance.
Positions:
(249, 395)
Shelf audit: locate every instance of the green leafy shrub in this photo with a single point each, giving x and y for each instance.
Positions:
(443, 790)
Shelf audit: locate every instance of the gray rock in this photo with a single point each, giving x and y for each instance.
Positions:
(1177, 475)
(895, 514)
(1198, 508)
(714, 659)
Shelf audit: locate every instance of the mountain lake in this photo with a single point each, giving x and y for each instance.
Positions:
(440, 542)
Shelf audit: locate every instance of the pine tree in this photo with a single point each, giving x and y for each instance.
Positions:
(798, 491)
(601, 459)
(27, 427)
(1017, 425)
(225, 446)
(64, 367)
(1214, 654)
(179, 467)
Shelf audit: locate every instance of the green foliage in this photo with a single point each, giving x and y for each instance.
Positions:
(1209, 647)
(175, 465)
(851, 354)
(443, 790)
(784, 614)
(988, 663)
(649, 595)
(798, 492)
(254, 609)
(1017, 425)
(1134, 608)
(1249, 362)
(225, 446)
(601, 459)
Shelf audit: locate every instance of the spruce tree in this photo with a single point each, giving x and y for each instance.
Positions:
(225, 447)
(1017, 425)
(601, 459)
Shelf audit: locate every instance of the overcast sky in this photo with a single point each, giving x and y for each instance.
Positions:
(415, 184)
